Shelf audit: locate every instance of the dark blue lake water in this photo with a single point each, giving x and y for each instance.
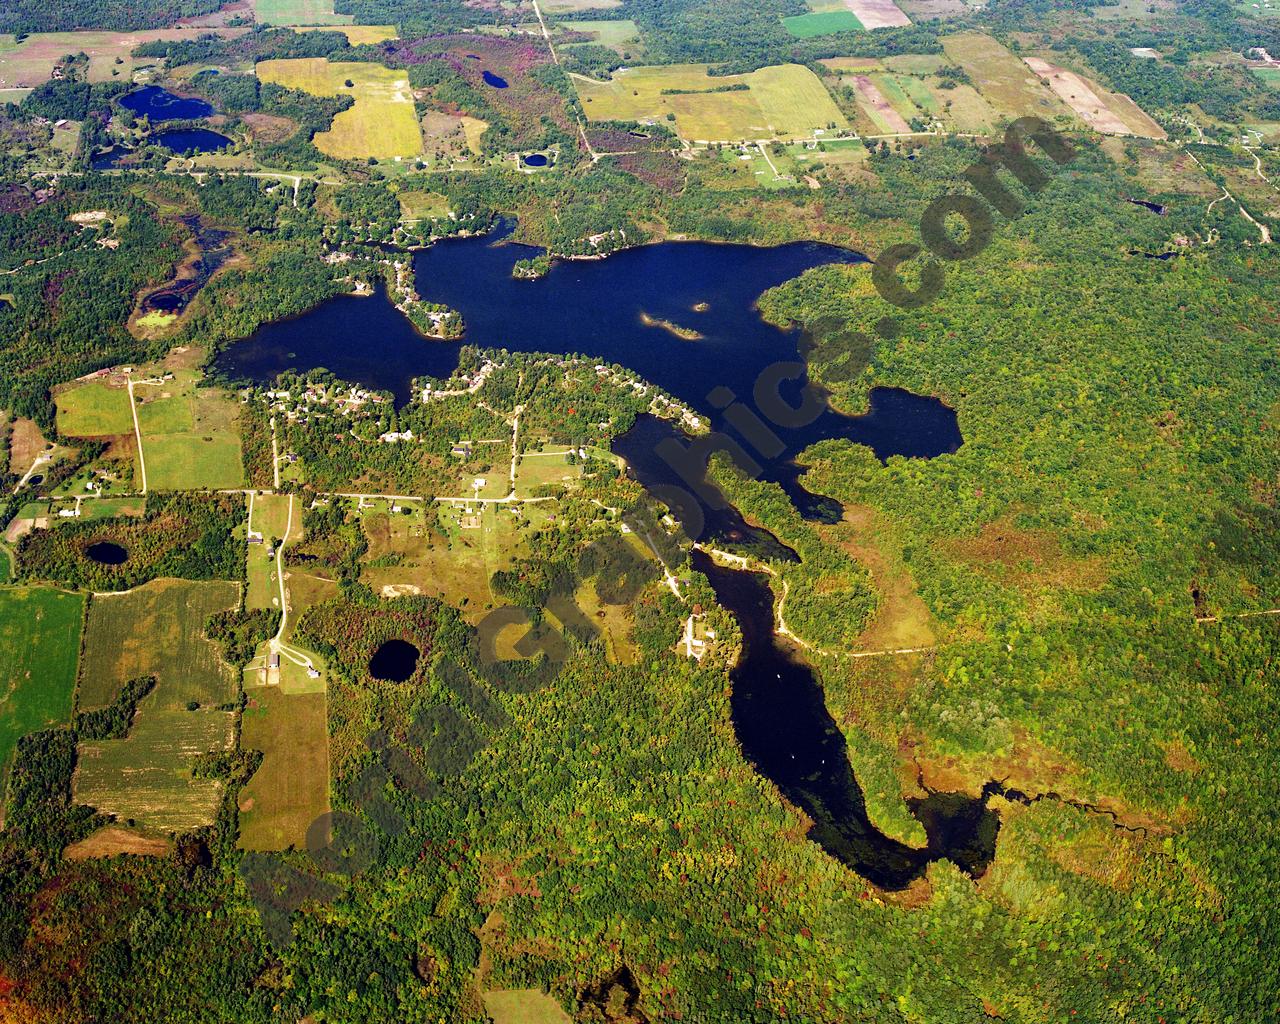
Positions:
(494, 80)
(188, 140)
(535, 160)
(161, 105)
(595, 307)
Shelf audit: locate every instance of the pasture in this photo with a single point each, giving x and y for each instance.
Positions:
(290, 789)
(190, 437)
(31, 62)
(39, 650)
(157, 629)
(619, 35)
(147, 777)
(1005, 82)
(95, 409)
(1270, 76)
(298, 12)
(383, 123)
(783, 101)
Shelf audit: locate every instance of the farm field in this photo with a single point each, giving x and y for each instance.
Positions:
(875, 14)
(383, 123)
(877, 107)
(291, 787)
(821, 23)
(95, 409)
(298, 12)
(545, 470)
(573, 6)
(1108, 113)
(423, 205)
(357, 35)
(147, 776)
(620, 35)
(1011, 88)
(109, 508)
(270, 520)
(1271, 76)
(157, 629)
(30, 62)
(190, 439)
(782, 101)
(40, 641)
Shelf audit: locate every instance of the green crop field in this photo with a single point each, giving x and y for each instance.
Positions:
(157, 629)
(93, 410)
(147, 776)
(189, 435)
(825, 23)
(39, 649)
(298, 12)
(621, 34)
(382, 124)
(782, 101)
(291, 787)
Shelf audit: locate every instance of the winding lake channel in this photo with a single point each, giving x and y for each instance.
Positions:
(615, 310)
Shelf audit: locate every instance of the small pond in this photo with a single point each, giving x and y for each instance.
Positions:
(161, 105)
(491, 79)
(106, 552)
(394, 661)
(534, 160)
(186, 140)
(110, 158)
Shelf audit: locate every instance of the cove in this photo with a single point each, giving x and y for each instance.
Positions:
(161, 105)
(782, 722)
(595, 307)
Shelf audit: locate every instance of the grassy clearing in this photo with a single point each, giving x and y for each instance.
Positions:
(619, 35)
(573, 6)
(783, 101)
(358, 35)
(1271, 76)
(95, 409)
(110, 508)
(298, 12)
(806, 26)
(157, 629)
(291, 787)
(31, 62)
(423, 205)
(382, 124)
(189, 435)
(39, 649)
(147, 777)
(523, 1006)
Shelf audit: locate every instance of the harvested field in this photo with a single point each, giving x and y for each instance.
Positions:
(878, 13)
(619, 35)
(298, 12)
(1096, 111)
(1005, 82)
(114, 842)
(383, 123)
(39, 650)
(157, 629)
(782, 101)
(881, 112)
(841, 64)
(31, 62)
(290, 789)
(147, 776)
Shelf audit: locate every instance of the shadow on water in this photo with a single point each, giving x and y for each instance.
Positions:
(786, 731)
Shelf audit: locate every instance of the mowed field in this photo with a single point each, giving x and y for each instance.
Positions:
(270, 519)
(382, 124)
(30, 62)
(190, 437)
(523, 1006)
(298, 12)
(783, 101)
(157, 629)
(290, 789)
(39, 651)
(821, 23)
(95, 409)
(620, 34)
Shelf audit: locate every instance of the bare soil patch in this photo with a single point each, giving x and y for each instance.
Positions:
(112, 842)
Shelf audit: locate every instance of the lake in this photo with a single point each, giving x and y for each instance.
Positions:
(161, 105)
(611, 309)
(188, 140)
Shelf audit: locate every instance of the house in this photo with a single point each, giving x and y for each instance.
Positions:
(273, 661)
